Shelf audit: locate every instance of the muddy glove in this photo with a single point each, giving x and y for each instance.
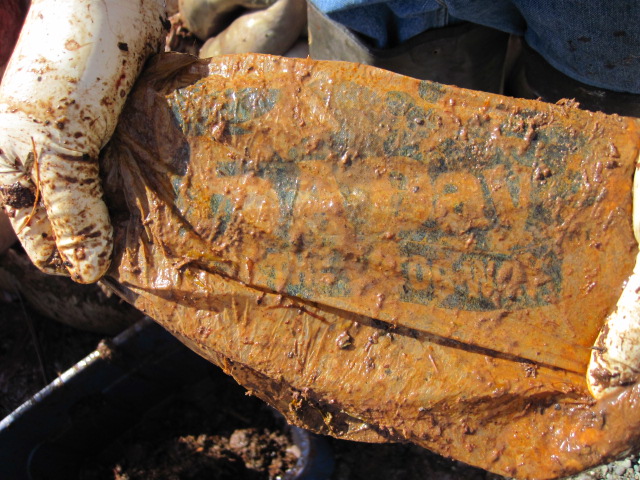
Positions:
(615, 359)
(60, 98)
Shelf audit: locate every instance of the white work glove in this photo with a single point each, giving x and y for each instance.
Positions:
(615, 359)
(60, 99)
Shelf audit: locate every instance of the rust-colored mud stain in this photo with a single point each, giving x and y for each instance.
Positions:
(342, 188)
(468, 246)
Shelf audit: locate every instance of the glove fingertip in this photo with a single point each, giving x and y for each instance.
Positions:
(615, 356)
(87, 256)
(72, 194)
(36, 237)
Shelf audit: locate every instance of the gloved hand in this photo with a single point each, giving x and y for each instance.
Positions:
(60, 99)
(615, 358)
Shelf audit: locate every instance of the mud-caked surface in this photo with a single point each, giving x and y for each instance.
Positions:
(285, 254)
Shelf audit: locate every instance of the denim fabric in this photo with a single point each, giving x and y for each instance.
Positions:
(387, 23)
(596, 42)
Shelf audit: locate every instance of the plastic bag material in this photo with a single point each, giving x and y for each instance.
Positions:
(380, 258)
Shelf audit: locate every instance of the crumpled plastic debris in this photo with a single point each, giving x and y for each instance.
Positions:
(381, 258)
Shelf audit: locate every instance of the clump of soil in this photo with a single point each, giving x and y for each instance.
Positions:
(247, 454)
(209, 430)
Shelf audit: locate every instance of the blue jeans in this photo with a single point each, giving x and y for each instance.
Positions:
(596, 42)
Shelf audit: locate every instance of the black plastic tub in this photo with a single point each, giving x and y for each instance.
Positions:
(99, 399)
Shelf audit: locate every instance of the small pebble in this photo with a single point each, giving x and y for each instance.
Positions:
(583, 476)
(622, 466)
(239, 439)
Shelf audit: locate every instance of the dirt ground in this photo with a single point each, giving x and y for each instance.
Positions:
(212, 430)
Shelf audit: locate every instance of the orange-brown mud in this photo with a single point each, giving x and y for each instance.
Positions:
(380, 258)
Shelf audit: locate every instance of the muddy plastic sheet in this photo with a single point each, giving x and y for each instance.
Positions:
(382, 258)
